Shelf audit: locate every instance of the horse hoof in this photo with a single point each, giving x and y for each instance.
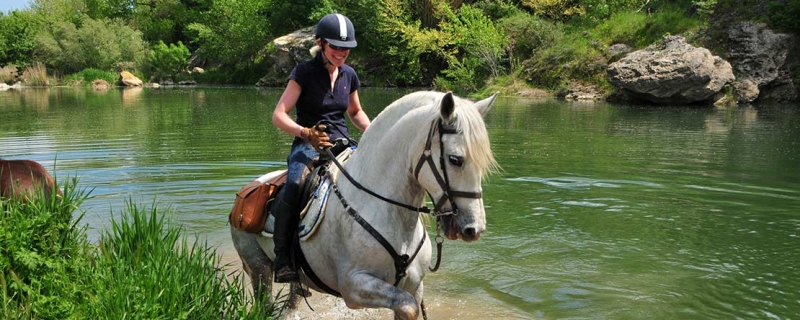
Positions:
(303, 292)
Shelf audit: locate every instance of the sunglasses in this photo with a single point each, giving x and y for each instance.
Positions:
(337, 48)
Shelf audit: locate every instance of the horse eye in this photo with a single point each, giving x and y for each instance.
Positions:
(456, 160)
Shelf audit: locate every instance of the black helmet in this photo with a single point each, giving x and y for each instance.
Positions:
(337, 30)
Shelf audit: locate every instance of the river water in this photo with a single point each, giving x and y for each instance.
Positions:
(600, 212)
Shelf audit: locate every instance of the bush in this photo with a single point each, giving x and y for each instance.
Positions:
(783, 15)
(528, 34)
(44, 256)
(481, 48)
(87, 76)
(100, 44)
(169, 60)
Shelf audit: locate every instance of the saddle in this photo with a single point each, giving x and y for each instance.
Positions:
(251, 210)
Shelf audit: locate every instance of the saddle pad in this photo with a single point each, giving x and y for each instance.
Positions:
(312, 214)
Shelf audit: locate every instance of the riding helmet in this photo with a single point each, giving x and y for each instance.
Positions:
(337, 30)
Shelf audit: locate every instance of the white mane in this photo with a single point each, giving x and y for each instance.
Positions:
(405, 124)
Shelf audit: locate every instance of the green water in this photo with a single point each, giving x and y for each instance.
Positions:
(600, 212)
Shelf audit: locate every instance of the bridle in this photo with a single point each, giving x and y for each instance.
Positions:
(448, 194)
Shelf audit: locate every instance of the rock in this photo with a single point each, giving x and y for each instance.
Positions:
(584, 92)
(763, 57)
(129, 80)
(198, 70)
(671, 72)
(616, 51)
(100, 85)
(745, 91)
(290, 50)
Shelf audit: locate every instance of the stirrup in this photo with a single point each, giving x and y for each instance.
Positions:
(286, 275)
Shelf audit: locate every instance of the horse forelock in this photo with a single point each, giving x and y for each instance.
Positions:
(469, 122)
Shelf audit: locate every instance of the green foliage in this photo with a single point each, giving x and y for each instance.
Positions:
(86, 76)
(234, 34)
(17, 33)
(580, 54)
(783, 15)
(101, 44)
(528, 34)
(43, 256)
(481, 46)
(411, 54)
(169, 60)
(143, 269)
(556, 10)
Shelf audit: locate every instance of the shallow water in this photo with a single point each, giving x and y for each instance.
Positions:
(601, 211)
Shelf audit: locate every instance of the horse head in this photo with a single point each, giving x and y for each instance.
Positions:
(24, 179)
(456, 157)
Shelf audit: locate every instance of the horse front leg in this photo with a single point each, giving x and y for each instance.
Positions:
(366, 291)
(254, 262)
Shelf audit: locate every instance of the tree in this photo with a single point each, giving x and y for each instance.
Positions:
(17, 38)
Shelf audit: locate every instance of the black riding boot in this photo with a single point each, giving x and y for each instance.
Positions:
(285, 225)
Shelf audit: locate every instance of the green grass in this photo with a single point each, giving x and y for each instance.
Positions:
(143, 267)
(86, 76)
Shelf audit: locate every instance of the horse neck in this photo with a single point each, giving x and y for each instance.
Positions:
(386, 169)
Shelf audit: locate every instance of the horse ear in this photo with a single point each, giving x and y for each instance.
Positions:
(486, 104)
(447, 106)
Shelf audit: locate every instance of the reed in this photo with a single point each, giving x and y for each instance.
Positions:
(35, 75)
(143, 267)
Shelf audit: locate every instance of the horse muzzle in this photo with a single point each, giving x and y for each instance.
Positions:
(453, 229)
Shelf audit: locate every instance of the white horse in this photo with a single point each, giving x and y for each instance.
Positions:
(425, 142)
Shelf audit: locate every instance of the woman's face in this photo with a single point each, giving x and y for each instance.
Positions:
(335, 55)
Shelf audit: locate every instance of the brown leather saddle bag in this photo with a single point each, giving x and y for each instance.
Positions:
(249, 211)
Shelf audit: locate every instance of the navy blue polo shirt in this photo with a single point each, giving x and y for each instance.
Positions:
(317, 101)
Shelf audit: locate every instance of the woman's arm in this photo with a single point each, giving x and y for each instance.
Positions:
(280, 117)
(356, 114)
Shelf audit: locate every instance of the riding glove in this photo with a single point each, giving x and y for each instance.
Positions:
(317, 137)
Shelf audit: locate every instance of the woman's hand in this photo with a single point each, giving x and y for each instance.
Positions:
(317, 137)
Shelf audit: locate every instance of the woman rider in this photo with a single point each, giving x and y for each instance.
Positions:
(323, 88)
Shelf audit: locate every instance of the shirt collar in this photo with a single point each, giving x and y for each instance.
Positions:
(319, 63)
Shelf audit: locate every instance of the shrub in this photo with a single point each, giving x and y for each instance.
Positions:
(481, 48)
(35, 75)
(169, 60)
(8, 74)
(528, 34)
(44, 256)
(87, 76)
(100, 44)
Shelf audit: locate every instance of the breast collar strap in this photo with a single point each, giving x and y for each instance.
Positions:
(441, 178)
(401, 262)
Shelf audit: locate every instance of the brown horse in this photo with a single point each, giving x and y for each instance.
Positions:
(24, 178)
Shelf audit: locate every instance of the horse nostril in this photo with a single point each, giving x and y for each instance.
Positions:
(469, 233)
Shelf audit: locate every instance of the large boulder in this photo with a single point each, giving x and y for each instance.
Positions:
(290, 50)
(762, 58)
(671, 72)
(129, 80)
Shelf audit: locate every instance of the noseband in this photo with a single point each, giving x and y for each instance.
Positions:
(448, 194)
